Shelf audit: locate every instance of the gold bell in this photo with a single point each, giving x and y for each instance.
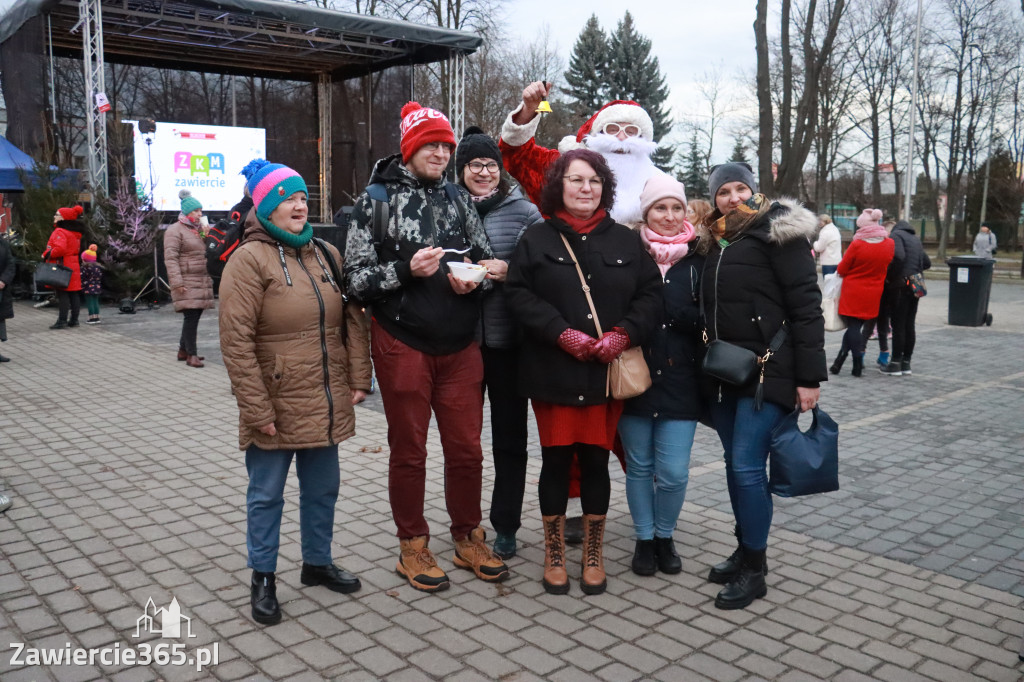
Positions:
(544, 107)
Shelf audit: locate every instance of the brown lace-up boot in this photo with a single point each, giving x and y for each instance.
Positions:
(593, 580)
(556, 580)
(419, 567)
(473, 553)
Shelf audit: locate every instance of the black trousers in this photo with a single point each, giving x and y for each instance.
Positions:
(508, 437)
(68, 301)
(904, 319)
(595, 483)
(189, 328)
(854, 338)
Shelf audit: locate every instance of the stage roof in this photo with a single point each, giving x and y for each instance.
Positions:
(245, 37)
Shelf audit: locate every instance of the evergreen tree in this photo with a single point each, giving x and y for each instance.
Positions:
(634, 74)
(694, 174)
(587, 68)
(739, 152)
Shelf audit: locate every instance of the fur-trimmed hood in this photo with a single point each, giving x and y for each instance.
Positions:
(789, 220)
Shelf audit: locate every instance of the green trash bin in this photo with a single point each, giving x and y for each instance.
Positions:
(970, 283)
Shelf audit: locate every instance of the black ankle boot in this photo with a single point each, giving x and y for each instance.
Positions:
(858, 365)
(748, 584)
(724, 572)
(837, 366)
(668, 560)
(644, 558)
(573, 530)
(263, 598)
(330, 576)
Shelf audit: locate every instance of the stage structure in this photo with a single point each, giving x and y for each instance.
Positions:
(260, 38)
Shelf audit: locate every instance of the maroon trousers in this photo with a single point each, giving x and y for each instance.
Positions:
(411, 384)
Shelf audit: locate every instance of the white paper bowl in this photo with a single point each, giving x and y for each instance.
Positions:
(467, 272)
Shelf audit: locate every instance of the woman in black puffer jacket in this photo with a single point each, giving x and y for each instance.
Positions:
(506, 213)
(657, 427)
(759, 277)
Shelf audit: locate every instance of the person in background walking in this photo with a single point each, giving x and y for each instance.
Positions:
(657, 427)
(298, 358)
(191, 284)
(505, 213)
(909, 259)
(863, 270)
(763, 281)
(563, 366)
(985, 243)
(828, 245)
(92, 283)
(62, 247)
(7, 270)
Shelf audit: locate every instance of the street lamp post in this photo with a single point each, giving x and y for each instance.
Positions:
(909, 181)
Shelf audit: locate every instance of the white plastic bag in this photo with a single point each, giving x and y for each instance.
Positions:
(830, 291)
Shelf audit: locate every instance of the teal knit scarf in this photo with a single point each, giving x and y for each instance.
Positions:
(295, 241)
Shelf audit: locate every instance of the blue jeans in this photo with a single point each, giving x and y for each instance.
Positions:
(319, 477)
(657, 471)
(746, 434)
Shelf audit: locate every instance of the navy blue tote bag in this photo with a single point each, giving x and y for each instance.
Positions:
(804, 462)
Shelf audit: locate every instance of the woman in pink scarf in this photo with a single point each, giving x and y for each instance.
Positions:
(657, 427)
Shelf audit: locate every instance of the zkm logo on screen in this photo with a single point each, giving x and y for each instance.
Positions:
(173, 625)
(197, 166)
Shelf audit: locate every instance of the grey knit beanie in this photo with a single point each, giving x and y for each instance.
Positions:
(731, 172)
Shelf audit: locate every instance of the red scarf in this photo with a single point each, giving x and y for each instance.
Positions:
(581, 226)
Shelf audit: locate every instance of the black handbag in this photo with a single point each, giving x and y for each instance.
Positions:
(804, 462)
(53, 275)
(730, 363)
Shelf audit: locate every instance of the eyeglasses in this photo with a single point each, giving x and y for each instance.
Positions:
(578, 181)
(434, 146)
(614, 128)
(478, 167)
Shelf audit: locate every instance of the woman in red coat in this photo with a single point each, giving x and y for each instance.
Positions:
(63, 247)
(863, 271)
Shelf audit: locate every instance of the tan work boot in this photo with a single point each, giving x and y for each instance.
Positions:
(593, 580)
(556, 580)
(419, 567)
(473, 553)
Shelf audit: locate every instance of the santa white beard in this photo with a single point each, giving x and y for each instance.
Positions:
(630, 161)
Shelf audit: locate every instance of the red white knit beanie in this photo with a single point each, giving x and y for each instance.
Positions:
(616, 111)
(423, 125)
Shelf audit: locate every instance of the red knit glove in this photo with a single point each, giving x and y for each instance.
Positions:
(611, 345)
(577, 344)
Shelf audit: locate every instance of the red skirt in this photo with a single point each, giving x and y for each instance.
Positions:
(568, 424)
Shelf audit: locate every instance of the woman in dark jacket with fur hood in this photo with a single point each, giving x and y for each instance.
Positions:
(759, 279)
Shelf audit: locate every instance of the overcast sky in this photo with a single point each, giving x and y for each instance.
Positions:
(689, 37)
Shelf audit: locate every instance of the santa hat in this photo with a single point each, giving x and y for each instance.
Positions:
(617, 111)
(870, 216)
(73, 213)
(422, 125)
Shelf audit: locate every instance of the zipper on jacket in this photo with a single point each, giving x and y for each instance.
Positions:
(718, 266)
(323, 348)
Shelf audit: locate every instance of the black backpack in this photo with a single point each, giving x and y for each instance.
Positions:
(221, 241)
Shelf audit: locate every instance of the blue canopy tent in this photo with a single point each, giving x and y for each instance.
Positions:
(16, 164)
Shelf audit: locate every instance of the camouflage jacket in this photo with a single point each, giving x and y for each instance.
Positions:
(424, 313)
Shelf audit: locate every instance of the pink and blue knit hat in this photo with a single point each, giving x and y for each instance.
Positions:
(271, 183)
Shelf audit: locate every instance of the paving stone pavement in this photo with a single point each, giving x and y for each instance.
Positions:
(128, 486)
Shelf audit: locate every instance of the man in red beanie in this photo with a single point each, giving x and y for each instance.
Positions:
(422, 339)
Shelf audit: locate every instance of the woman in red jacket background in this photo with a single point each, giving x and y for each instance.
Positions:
(63, 247)
(863, 271)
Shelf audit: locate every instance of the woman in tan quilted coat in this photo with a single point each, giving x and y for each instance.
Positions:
(191, 284)
(298, 356)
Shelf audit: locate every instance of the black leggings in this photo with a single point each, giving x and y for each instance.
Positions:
(68, 301)
(904, 317)
(189, 328)
(595, 484)
(854, 336)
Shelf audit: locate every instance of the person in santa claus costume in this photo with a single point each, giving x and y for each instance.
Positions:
(621, 131)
